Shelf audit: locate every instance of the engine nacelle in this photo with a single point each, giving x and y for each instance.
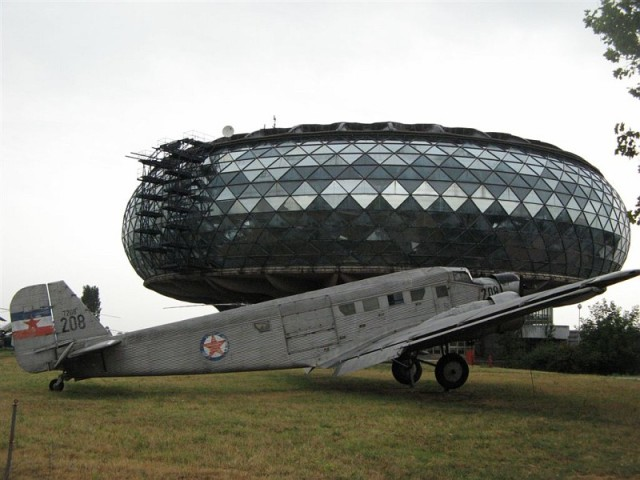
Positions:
(498, 283)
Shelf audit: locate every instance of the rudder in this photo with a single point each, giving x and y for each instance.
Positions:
(45, 318)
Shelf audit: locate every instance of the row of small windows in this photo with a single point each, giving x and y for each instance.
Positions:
(392, 299)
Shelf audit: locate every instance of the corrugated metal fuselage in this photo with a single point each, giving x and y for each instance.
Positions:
(292, 332)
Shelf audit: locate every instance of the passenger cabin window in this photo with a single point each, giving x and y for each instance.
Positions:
(395, 299)
(417, 294)
(347, 308)
(369, 304)
(442, 291)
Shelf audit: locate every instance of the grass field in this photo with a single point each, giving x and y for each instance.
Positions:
(503, 424)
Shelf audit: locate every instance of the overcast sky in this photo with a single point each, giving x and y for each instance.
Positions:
(86, 83)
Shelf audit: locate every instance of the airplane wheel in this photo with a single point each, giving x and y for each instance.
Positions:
(452, 371)
(56, 385)
(407, 371)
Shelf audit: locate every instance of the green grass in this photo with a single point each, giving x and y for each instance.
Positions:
(503, 424)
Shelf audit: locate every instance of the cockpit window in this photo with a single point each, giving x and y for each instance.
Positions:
(462, 277)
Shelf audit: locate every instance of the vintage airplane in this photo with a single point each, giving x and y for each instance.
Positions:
(348, 327)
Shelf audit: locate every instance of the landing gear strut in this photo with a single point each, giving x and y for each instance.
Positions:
(57, 384)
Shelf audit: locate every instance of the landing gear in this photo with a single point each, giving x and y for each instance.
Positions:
(406, 369)
(452, 371)
(57, 384)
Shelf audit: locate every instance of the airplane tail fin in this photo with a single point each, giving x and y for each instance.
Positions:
(45, 318)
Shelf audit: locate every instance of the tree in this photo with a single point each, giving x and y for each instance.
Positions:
(617, 22)
(91, 298)
(610, 340)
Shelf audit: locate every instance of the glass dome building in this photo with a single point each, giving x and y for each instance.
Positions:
(280, 211)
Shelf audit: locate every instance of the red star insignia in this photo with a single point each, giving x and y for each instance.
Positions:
(215, 347)
(33, 324)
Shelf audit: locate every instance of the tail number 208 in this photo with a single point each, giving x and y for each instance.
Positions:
(73, 323)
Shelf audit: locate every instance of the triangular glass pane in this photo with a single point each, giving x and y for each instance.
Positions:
(307, 161)
(395, 200)
(252, 175)
(351, 148)
(395, 188)
(482, 203)
(276, 190)
(276, 173)
(290, 205)
(425, 189)
(365, 145)
(349, 185)
(533, 208)
(407, 149)
(395, 160)
(304, 200)
(455, 191)
(226, 195)
(364, 188)
(290, 187)
(251, 192)
(262, 207)
(333, 199)
(455, 202)
(305, 189)
(324, 149)
(533, 199)
(310, 147)
(509, 205)
(364, 200)
(247, 155)
(482, 192)
(378, 235)
(293, 174)
(334, 188)
(237, 209)
(275, 202)
(249, 203)
(297, 151)
(264, 176)
(283, 149)
(519, 211)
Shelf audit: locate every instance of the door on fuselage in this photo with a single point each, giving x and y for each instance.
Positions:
(308, 324)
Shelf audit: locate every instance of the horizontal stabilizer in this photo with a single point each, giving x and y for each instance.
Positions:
(95, 347)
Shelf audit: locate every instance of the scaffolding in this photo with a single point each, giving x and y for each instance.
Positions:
(169, 193)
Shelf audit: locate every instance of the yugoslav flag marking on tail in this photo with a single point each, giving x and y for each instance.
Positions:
(37, 323)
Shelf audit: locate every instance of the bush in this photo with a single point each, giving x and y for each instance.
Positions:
(610, 344)
(551, 357)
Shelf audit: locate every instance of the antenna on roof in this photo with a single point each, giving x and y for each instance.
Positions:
(274, 121)
(227, 131)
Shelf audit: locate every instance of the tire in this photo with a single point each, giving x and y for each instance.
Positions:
(56, 385)
(404, 368)
(452, 371)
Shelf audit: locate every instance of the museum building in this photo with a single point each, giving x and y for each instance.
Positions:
(250, 217)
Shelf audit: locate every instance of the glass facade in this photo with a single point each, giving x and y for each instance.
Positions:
(278, 211)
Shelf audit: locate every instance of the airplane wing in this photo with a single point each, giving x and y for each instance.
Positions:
(467, 323)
